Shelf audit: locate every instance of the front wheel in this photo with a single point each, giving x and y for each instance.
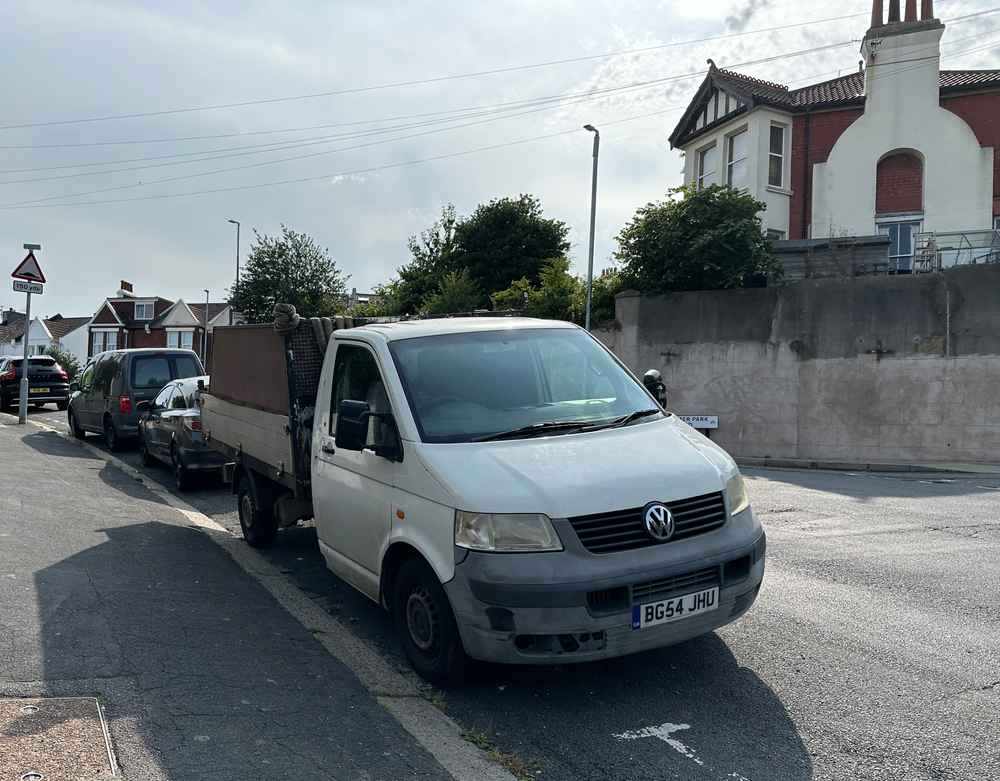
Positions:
(257, 520)
(426, 625)
(147, 457)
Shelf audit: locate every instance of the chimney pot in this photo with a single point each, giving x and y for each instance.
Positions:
(893, 11)
(926, 9)
(911, 11)
(878, 15)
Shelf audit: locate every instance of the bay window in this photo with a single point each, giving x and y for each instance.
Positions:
(736, 160)
(707, 159)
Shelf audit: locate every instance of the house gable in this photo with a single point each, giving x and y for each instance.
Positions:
(178, 316)
(107, 315)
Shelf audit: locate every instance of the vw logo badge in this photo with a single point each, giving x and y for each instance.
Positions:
(659, 521)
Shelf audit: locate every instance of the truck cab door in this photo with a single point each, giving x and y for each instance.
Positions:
(352, 490)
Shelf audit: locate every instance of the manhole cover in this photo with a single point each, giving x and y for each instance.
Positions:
(54, 739)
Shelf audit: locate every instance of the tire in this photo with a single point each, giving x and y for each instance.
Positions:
(62, 406)
(182, 477)
(147, 458)
(74, 427)
(425, 625)
(111, 438)
(40, 405)
(257, 520)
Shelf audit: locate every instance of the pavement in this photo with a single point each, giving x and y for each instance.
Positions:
(873, 651)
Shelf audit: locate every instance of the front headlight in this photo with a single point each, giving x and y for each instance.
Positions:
(736, 490)
(505, 532)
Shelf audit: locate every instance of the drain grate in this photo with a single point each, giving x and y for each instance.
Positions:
(54, 739)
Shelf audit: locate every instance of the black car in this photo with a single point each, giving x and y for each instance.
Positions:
(47, 382)
(170, 431)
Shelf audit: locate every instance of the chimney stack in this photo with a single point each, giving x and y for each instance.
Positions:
(893, 11)
(878, 16)
(911, 11)
(926, 9)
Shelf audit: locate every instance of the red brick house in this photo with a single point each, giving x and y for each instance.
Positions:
(129, 321)
(901, 151)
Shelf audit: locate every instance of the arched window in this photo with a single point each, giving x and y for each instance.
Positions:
(899, 184)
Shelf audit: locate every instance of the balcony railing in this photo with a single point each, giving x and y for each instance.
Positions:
(937, 250)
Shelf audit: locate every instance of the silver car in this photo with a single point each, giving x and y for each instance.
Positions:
(170, 431)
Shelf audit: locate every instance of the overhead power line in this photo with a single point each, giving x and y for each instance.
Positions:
(429, 80)
(40, 203)
(550, 100)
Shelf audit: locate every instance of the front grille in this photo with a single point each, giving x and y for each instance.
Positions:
(625, 530)
(664, 587)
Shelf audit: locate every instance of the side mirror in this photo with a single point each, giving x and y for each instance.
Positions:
(352, 430)
(74, 386)
(144, 406)
(653, 381)
(352, 424)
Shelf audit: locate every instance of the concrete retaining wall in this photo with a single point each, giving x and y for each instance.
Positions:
(871, 368)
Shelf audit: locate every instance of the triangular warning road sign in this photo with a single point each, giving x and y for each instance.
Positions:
(29, 269)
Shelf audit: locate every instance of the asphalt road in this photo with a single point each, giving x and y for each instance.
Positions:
(873, 651)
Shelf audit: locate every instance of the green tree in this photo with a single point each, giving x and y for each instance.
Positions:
(432, 255)
(558, 295)
(607, 285)
(65, 359)
(507, 239)
(383, 303)
(458, 292)
(706, 239)
(290, 268)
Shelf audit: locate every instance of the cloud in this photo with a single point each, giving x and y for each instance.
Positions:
(737, 21)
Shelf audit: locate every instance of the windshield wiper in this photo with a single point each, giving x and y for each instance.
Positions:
(534, 428)
(622, 421)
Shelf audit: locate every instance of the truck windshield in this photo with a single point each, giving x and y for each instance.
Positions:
(468, 386)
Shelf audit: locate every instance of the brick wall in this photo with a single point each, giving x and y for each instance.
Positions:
(822, 131)
(157, 337)
(899, 184)
(982, 113)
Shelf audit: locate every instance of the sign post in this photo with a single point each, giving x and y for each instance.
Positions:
(29, 272)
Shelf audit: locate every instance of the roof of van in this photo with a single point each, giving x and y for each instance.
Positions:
(412, 329)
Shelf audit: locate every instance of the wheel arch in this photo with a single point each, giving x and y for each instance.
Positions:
(395, 556)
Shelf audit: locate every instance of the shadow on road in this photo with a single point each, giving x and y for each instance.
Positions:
(235, 687)
(52, 444)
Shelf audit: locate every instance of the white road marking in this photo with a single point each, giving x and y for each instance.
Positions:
(663, 732)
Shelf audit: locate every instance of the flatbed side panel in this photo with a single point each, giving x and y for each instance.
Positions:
(249, 366)
(256, 433)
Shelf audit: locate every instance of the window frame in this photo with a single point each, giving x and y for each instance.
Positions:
(771, 154)
(731, 163)
(883, 227)
(700, 173)
(180, 333)
(147, 306)
(335, 405)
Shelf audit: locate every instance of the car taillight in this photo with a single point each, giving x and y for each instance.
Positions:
(62, 375)
(124, 405)
(10, 374)
(193, 423)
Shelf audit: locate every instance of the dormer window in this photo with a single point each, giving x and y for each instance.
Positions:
(144, 310)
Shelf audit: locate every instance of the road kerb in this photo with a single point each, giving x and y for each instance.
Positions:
(431, 728)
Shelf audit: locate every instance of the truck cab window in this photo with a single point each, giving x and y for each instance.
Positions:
(356, 377)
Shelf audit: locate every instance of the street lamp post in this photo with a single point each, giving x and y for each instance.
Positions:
(204, 333)
(237, 224)
(593, 217)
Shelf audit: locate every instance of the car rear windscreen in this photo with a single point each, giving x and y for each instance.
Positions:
(155, 371)
(42, 360)
(150, 371)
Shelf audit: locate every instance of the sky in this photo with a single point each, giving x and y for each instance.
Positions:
(125, 198)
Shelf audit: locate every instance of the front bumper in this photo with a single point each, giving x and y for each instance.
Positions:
(573, 606)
